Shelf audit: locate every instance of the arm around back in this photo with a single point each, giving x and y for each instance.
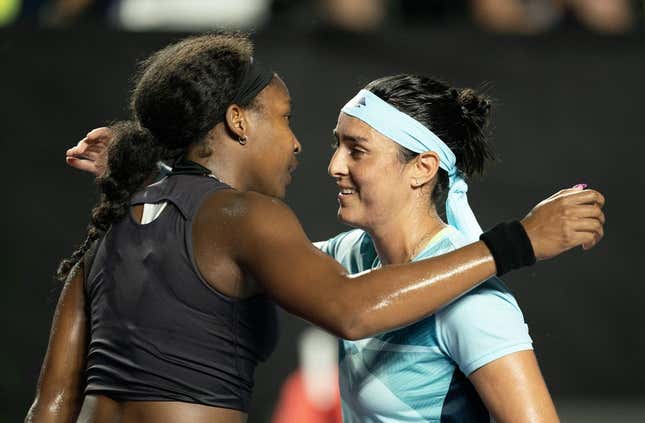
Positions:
(268, 242)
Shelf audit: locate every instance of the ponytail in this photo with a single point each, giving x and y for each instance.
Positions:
(475, 110)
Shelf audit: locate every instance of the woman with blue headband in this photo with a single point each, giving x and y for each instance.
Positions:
(169, 304)
(405, 146)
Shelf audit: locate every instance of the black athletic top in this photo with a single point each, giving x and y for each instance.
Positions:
(159, 331)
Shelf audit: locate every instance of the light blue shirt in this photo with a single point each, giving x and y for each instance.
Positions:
(418, 373)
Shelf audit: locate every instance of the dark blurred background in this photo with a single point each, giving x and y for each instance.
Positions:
(569, 82)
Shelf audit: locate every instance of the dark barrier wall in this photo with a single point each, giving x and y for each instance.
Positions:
(569, 109)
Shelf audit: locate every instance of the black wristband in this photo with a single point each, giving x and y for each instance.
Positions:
(510, 246)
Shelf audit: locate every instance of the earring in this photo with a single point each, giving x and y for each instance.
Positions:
(242, 139)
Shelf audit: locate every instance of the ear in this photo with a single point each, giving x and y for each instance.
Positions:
(236, 121)
(424, 168)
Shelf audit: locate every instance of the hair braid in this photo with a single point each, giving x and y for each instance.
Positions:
(181, 93)
(132, 159)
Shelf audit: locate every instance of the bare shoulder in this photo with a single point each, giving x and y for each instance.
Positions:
(245, 208)
(246, 220)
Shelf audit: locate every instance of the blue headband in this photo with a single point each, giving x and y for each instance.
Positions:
(411, 134)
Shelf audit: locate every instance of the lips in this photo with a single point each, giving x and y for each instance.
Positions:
(293, 166)
(346, 190)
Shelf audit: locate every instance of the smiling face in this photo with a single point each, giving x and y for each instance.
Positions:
(275, 146)
(374, 185)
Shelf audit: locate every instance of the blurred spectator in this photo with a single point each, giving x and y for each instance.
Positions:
(612, 16)
(533, 16)
(311, 393)
(55, 13)
(191, 15)
(517, 16)
(358, 16)
(508, 16)
(354, 15)
(60, 13)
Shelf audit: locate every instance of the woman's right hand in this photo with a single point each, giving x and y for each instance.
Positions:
(570, 218)
(90, 154)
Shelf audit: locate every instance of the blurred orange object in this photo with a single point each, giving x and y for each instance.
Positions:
(294, 404)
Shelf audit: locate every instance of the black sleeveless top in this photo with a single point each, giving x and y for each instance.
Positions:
(159, 331)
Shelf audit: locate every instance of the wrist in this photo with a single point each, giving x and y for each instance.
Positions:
(510, 246)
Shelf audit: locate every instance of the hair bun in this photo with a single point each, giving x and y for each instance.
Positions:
(473, 103)
(474, 107)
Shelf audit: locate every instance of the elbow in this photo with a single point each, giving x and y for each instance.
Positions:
(352, 333)
(350, 321)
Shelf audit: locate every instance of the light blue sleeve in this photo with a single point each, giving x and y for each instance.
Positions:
(346, 249)
(331, 246)
(325, 246)
(341, 244)
(482, 326)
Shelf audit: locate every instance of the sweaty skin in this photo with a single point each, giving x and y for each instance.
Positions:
(231, 233)
(397, 214)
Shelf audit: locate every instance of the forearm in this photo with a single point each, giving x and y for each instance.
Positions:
(59, 393)
(396, 296)
(54, 407)
(317, 288)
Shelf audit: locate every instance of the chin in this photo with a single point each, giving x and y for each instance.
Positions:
(281, 192)
(346, 218)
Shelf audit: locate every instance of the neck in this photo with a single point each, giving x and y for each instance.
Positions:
(401, 239)
(221, 158)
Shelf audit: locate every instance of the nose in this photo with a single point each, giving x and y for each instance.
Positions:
(337, 165)
(297, 147)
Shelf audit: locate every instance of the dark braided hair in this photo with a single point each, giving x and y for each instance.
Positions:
(180, 94)
(460, 117)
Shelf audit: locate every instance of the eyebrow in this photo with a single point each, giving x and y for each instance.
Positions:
(352, 138)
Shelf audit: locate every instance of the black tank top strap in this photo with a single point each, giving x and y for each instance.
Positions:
(184, 190)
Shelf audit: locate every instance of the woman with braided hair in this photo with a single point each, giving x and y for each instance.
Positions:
(169, 304)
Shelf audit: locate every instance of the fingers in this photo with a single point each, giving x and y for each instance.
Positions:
(577, 196)
(586, 206)
(588, 196)
(93, 145)
(87, 145)
(83, 151)
(81, 164)
(588, 232)
(78, 149)
(574, 189)
(587, 240)
(588, 211)
(98, 134)
(589, 225)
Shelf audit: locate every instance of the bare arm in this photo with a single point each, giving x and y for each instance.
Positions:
(267, 240)
(513, 390)
(59, 392)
